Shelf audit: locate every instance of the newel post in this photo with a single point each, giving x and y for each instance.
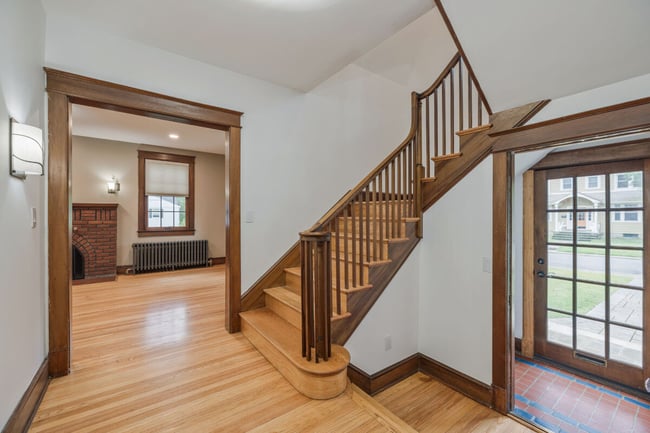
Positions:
(316, 271)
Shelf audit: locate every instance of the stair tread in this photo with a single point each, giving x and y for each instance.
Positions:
(370, 263)
(446, 157)
(286, 296)
(287, 339)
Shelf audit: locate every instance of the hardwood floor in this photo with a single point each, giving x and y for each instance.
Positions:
(150, 354)
(431, 407)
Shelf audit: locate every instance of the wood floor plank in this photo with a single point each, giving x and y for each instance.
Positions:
(431, 407)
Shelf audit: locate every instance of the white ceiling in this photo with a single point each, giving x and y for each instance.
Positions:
(294, 43)
(130, 128)
(523, 51)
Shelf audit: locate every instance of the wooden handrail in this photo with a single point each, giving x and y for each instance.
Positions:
(429, 91)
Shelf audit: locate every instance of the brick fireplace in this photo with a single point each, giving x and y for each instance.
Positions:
(94, 242)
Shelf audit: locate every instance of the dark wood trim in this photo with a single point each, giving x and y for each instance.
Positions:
(23, 414)
(96, 205)
(217, 261)
(454, 36)
(613, 120)
(93, 280)
(122, 269)
(254, 296)
(233, 229)
(518, 346)
(64, 89)
(59, 232)
(375, 383)
(646, 268)
(637, 149)
(143, 229)
(117, 97)
(165, 232)
(456, 380)
(502, 341)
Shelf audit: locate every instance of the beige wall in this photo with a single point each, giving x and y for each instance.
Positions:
(95, 161)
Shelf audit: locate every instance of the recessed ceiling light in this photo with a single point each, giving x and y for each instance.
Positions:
(173, 136)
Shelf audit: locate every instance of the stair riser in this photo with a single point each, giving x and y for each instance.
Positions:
(361, 271)
(392, 230)
(383, 211)
(292, 282)
(283, 310)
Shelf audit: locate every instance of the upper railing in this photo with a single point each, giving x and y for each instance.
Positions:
(452, 106)
(336, 253)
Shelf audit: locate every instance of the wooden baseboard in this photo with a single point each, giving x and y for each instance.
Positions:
(372, 384)
(123, 269)
(22, 416)
(93, 280)
(218, 260)
(375, 383)
(462, 383)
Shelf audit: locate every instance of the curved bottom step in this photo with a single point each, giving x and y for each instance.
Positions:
(280, 343)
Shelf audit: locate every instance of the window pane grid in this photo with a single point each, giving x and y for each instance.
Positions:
(592, 212)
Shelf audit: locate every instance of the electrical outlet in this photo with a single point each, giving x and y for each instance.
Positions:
(388, 343)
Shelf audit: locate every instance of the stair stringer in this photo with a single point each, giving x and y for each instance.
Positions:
(360, 303)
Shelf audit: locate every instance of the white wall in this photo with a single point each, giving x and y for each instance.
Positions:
(394, 318)
(94, 161)
(23, 334)
(455, 299)
(300, 152)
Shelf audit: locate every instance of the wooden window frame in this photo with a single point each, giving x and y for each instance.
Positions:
(143, 229)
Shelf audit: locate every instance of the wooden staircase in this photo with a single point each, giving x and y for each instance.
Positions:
(305, 307)
(275, 329)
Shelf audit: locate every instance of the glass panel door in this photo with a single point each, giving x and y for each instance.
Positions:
(589, 308)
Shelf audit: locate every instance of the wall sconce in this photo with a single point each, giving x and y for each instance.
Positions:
(113, 186)
(26, 149)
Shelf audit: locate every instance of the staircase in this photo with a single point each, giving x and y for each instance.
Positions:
(302, 311)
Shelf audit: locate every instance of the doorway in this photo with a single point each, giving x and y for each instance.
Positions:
(590, 267)
(64, 89)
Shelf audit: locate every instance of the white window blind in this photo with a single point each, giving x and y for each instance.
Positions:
(167, 178)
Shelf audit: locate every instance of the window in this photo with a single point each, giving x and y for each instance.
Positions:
(567, 183)
(631, 216)
(593, 182)
(630, 180)
(166, 194)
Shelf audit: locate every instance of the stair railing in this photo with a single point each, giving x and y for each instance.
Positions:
(454, 105)
(337, 250)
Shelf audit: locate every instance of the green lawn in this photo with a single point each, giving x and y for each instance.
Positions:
(618, 242)
(560, 292)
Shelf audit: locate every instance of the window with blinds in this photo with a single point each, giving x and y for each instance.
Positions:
(166, 194)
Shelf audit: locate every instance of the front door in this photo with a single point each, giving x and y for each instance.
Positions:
(590, 300)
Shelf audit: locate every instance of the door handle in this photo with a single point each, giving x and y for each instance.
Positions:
(541, 274)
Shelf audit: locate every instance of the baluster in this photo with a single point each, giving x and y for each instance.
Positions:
(376, 221)
(367, 223)
(398, 162)
(393, 199)
(428, 138)
(335, 228)
(346, 279)
(435, 125)
(480, 110)
(444, 120)
(382, 212)
(452, 147)
(354, 245)
(387, 204)
(404, 186)
(359, 204)
(460, 94)
(470, 91)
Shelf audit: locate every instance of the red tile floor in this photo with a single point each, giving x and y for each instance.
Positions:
(563, 403)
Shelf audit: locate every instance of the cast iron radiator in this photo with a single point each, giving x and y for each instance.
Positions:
(161, 256)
